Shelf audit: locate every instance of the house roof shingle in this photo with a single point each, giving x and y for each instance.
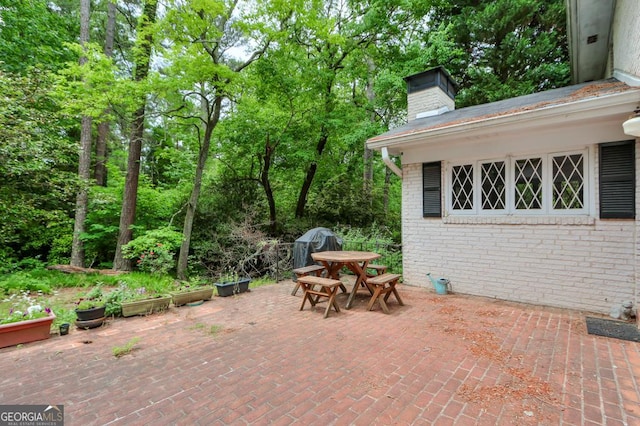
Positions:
(511, 106)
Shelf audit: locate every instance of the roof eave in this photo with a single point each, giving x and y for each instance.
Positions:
(584, 109)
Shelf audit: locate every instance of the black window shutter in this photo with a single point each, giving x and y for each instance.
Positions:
(431, 187)
(617, 180)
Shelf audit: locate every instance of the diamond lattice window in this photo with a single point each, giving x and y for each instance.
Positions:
(493, 186)
(552, 184)
(568, 182)
(462, 187)
(528, 184)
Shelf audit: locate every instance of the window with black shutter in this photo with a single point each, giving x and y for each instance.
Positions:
(617, 180)
(431, 186)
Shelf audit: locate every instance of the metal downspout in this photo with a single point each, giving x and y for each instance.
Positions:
(389, 162)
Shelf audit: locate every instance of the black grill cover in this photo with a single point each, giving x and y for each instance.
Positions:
(314, 240)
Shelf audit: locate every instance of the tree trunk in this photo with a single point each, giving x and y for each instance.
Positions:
(322, 142)
(130, 196)
(84, 163)
(211, 123)
(266, 184)
(100, 171)
(387, 184)
(308, 180)
(367, 177)
(82, 198)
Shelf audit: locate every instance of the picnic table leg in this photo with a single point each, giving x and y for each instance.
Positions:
(383, 305)
(333, 271)
(361, 278)
(306, 296)
(375, 297)
(295, 289)
(332, 294)
(396, 294)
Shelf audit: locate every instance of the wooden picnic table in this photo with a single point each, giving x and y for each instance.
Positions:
(355, 261)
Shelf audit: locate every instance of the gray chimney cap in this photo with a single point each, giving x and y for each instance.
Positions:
(433, 77)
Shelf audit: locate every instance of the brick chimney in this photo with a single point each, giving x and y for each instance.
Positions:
(430, 93)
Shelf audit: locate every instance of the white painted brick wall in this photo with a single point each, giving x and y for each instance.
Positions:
(580, 263)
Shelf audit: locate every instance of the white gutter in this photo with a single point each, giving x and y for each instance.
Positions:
(389, 162)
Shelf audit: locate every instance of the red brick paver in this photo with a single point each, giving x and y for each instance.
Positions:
(256, 359)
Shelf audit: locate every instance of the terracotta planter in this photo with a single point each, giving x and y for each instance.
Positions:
(145, 306)
(27, 331)
(184, 297)
(234, 287)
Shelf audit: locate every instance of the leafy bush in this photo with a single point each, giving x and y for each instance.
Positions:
(93, 299)
(154, 251)
(30, 263)
(63, 314)
(60, 252)
(376, 239)
(7, 260)
(113, 302)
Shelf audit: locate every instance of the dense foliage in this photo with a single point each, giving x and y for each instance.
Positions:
(37, 169)
(253, 116)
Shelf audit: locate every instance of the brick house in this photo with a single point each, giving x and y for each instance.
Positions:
(532, 199)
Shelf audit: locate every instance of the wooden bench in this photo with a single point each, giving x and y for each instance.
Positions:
(304, 271)
(329, 288)
(383, 285)
(379, 270)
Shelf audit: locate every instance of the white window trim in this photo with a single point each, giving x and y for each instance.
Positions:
(507, 177)
(585, 182)
(545, 183)
(448, 196)
(547, 176)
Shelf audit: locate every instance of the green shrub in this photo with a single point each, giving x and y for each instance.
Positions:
(22, 281)
(113, 303)
(30, 263)
(376, 239)
(63, 315)
(154, 251)
(60, 252)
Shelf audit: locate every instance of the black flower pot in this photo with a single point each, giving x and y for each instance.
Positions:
(90, 314)
(87, 324)
(64, 328)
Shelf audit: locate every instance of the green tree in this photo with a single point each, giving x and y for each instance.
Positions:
(271, 139)
(34, 33)
(129, 199)
(100, 170)
(84, 163)
(204, 71)
(38, 167)
(500, 49)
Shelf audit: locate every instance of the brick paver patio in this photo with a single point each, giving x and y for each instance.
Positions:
(256, 359)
